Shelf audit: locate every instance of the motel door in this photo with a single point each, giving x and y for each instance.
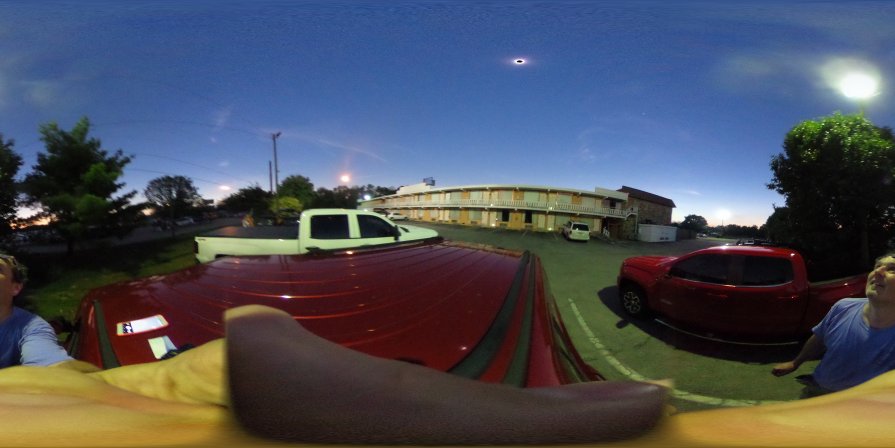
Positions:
(464, 213)
(517, 217)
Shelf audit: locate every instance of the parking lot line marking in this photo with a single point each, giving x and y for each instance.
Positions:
(635, 376)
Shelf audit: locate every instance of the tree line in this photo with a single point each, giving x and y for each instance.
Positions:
(698, 224)
(75, 186)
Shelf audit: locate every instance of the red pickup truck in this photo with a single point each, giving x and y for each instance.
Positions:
(472, 310)
(732, 290)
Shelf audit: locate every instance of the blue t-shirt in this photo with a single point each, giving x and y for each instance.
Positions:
(26, 339)
(855, 351)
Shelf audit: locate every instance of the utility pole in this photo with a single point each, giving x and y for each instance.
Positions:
(276, 174)
(276, 168)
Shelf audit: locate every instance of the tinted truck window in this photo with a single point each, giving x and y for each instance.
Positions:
(766, 271)
(711, 268)
(329, 227)
(373, 227)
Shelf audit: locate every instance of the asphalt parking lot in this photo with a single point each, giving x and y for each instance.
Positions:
(706, 373)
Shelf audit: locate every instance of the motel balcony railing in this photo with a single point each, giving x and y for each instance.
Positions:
(550, 207)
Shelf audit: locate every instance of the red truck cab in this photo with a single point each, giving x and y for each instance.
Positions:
(743, 291)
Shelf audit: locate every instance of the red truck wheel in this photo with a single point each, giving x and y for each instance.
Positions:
(633, 300)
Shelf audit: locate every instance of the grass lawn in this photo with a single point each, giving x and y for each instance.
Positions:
(57, 282)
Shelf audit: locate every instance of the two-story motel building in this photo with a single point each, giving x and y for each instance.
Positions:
(519, 207)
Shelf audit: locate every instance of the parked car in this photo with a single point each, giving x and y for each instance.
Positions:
(472, 310)
(186, 221)
(577, 231)
(395, 216)
(754, 242)
(749, 291)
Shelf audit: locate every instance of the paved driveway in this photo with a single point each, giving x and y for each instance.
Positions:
(582, 278)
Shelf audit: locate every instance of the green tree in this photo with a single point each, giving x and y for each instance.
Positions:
(298, 187)
(10, 162)
(694, 222)
(173, 197)
(73, 184)
(247, 199)
(376, 191)
(778, 227)
(339, 197)
(838, 177)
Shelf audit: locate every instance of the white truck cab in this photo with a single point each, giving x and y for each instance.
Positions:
(318, 229)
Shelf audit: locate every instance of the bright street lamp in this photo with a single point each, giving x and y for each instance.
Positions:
(860, 87)
(723, 214)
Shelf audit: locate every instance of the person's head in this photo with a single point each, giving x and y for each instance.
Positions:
(17, 270)
(12, 278)
(881, 280)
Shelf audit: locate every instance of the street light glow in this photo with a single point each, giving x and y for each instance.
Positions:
(859, 86)
(724, 214)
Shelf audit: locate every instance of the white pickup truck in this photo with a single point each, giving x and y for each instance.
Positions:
(318, 229)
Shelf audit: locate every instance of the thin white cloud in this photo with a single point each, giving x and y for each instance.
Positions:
(222, 117)
(586, 155)
(634, 136)
(760, 71)
(41, 94)
(852, 19)
(4, 91)
(326, 142)
(8, 67)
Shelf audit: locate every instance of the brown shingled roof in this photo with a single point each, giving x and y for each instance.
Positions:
(645, 196)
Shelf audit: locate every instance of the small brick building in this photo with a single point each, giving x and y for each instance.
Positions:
(652, 209)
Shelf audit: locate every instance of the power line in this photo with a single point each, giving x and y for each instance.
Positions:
(193, 164)
(173, 174)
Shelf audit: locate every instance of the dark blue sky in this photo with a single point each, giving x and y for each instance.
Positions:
(687, 100)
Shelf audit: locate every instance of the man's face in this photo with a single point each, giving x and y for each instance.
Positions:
(8, 286)
(881, 280)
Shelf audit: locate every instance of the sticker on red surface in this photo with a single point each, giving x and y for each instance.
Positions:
(143, 325)
(161, 346)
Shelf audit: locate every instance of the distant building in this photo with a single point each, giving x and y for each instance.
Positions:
(519, 207)
(651, 208)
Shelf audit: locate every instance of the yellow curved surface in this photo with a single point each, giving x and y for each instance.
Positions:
(183, 401)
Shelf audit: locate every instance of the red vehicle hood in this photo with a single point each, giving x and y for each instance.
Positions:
(475, 311)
